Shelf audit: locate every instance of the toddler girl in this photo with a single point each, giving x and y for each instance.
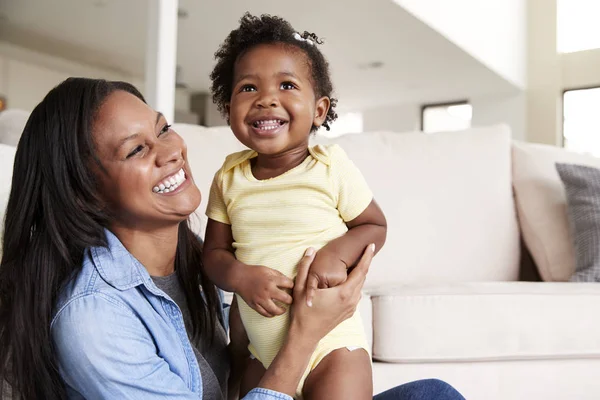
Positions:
(269, 204)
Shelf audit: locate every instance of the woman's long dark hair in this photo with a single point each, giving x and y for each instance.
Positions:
(54, 213)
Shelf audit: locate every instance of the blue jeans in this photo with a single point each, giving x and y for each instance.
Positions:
(426, 389)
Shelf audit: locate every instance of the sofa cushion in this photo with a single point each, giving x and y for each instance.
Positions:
(542, 206)
(12, 123)
(207, 149)
(575, 379)
(582, 185)
(448, 202)
(486, 321)
(7, 156)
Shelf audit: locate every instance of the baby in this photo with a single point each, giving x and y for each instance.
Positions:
(269, 204)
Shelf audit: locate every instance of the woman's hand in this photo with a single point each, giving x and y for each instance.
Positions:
(329, 306)
(327, 270)
(310, 323)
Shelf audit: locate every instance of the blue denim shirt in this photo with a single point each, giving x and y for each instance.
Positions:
(117, 336)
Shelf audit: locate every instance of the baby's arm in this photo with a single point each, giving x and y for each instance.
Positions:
(332, 261)
(259, 286)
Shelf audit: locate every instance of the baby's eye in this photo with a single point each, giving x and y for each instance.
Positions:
(288, 86)
(248, 88)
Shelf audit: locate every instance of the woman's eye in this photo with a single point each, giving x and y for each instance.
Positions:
(288, 86)
(248, 88)
(135, 151)
(165, 129)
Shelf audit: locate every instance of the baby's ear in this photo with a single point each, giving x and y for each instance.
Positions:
(321, 110)
(227, 111)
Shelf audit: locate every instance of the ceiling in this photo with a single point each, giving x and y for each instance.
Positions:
(419, 64)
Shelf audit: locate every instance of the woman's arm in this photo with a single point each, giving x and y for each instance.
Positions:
(105, 352)
(310, 324)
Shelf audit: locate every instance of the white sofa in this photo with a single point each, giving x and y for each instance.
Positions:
(443, 296)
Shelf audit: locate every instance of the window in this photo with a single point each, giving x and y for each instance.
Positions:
(577, 27)
(446, 117)
(345, 123)
(581, 120)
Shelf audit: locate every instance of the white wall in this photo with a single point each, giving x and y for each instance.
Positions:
(3, 72)
(400, 118)
(543, 70)
(26, 76)
(493, 32)
(511, 110)
(534, 115)
(213, 117)
(486, 111)
(581, 69)
(551, 73)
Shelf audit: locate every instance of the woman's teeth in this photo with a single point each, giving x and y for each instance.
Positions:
(170, 184)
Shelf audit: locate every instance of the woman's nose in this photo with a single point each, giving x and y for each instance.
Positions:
(168, 152)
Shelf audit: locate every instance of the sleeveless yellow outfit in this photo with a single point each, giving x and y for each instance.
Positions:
(274, 221)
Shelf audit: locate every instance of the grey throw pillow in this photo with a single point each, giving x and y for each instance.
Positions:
(582, 186)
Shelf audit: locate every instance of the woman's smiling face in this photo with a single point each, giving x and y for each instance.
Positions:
(144, 175)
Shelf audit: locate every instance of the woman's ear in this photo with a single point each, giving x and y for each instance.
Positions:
(321, 110)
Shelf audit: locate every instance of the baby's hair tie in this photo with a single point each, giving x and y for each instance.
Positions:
(301, 39)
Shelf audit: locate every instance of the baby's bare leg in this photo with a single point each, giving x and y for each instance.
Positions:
(342, 375)
(252, 376)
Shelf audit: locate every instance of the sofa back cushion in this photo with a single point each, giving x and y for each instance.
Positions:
(7, 157)
(448, 201)
(12, 123)
(542, 206)
(207, 149)
(447, 198)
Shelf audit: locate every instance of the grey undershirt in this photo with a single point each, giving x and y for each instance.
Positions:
(213, 359)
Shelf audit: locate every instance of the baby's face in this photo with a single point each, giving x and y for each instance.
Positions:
(273, 105)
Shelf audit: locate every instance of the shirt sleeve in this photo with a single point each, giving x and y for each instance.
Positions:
(217, 209)
(353, 192)
(265, 394)
(114, 360)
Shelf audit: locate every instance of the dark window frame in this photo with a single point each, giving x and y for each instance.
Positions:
(445, 104)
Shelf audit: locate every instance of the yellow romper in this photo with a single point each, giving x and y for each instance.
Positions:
(274, 221)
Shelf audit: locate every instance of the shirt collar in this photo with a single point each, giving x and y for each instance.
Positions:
(318, 152)
(117, 266)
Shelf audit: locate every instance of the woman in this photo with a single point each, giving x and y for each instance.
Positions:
(102, 290)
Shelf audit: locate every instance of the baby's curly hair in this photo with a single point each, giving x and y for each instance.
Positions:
(267, 29)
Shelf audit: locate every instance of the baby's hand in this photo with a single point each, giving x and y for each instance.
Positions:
(260, 286)
(327, 270)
